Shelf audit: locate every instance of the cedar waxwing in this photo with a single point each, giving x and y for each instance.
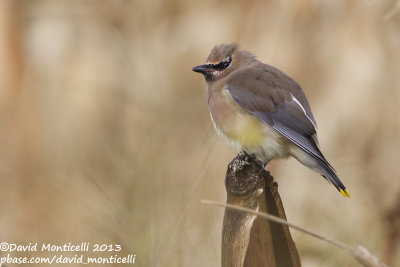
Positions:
(261, 110)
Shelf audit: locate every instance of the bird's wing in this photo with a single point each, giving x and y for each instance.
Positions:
(267, 96)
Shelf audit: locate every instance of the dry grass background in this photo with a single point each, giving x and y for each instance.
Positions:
(105, 134)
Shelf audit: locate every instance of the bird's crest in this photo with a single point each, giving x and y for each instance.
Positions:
(220, 52)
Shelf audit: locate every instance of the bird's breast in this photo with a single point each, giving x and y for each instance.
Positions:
(231, 121)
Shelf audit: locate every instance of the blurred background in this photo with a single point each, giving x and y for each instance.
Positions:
(105, 134)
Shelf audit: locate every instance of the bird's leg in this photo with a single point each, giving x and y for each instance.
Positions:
(263, 164)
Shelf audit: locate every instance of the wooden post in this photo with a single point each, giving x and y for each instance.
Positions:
(247, 240)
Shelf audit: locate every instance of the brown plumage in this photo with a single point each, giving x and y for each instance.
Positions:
(261, 110)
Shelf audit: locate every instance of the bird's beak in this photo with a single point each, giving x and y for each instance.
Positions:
(204, 68)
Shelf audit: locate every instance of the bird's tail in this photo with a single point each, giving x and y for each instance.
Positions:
(320, 165)
(330, 175)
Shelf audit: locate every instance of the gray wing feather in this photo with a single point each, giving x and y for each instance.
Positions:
(286, 124)
(268, 95)
(272, 103)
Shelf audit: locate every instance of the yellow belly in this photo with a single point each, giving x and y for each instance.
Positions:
(241, 128)
(246, 131)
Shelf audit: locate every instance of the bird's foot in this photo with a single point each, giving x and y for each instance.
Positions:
(262, 163)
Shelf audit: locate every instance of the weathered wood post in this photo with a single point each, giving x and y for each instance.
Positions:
(247, 240)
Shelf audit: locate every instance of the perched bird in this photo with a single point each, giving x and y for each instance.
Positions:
(261, 110)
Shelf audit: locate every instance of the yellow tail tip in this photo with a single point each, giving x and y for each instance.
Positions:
(344, 192)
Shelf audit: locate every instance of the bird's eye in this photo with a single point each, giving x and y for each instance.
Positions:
(227, 62)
